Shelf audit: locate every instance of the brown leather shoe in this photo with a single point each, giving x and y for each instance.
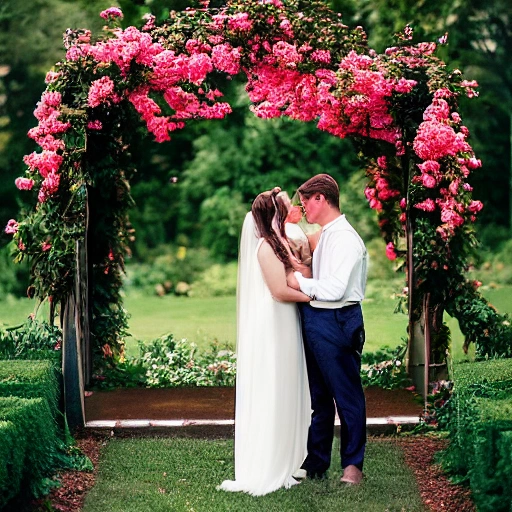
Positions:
(352, 475)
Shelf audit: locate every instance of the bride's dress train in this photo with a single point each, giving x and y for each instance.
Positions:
(273, 407)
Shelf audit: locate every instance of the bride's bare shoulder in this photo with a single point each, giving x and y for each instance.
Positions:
(266, 253)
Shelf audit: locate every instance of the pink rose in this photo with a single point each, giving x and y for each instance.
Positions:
(12, 227)
(475, 206)
(24, 183)
(390, 251)
(428, 181)
(111, 12)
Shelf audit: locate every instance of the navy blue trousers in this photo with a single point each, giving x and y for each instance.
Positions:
(333, 341)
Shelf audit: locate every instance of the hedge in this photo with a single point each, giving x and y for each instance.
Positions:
(31, 379)
(30, 445)
(479, 424)
(34, 439)
(12, 455)
(490, 476)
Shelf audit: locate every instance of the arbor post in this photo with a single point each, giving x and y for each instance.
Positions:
(76, 348)
(418, 347)
(72, 366)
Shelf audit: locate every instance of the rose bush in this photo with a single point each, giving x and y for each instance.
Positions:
(400, 109)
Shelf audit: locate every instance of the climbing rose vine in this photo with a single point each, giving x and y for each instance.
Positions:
(300, 61)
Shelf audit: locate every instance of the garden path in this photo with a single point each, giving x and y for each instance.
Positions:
(214, 407)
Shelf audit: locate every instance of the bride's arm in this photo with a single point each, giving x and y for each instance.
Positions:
(275, 276)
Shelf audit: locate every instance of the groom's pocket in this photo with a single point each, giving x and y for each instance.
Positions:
(358, 339)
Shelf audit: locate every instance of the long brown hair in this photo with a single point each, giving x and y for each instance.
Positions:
(269, 213)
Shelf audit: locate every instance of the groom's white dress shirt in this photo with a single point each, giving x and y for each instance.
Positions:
(340, 267)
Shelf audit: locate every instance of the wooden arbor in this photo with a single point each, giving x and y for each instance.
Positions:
(400, 102)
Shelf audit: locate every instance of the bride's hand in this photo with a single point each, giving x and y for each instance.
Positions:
(305, 270)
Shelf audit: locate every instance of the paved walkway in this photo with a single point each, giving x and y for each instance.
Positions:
(211, 407)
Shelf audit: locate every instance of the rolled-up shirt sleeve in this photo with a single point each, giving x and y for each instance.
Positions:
(332, 284)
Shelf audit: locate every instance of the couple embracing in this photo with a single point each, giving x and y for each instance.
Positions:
(297, 366)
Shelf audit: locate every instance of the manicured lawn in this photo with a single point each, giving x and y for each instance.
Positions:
(203, 320)
(14, 311)
(162, 474)
(198, 319)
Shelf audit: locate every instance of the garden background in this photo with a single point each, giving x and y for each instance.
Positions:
(190, 195)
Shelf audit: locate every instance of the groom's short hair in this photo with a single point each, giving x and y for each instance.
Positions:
(322, 184)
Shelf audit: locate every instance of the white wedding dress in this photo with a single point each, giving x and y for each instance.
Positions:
(273, 406)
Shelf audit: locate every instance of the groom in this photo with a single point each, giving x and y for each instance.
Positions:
(333, 332)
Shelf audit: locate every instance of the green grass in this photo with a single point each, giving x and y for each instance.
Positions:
(15, 311)
(162, 474)
(202, 320)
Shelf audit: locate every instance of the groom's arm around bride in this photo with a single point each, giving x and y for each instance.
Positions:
(333, 332)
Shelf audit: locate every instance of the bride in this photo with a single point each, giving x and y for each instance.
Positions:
(273, 408)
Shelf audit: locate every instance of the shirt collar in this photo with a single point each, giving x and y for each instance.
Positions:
(341, 218)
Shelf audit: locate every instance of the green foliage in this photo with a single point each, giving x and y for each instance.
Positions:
(494, 267)
(31, 379)
(385, 368)
(36, 434)
(31, 340)
(11, 455)
(167, 362)
(480, 322)
(216, 281)
(223, 215)
(14, 279)
(491, 474)
(35, 441)
(463, 413)
(173, 363)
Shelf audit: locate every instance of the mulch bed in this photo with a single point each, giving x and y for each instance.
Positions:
(437, 492)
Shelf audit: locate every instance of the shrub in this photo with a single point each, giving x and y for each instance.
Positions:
(31, 379)
(385, 368)
(35, 432)
(14, 278)
(34, 439)
(167, 362)
(478, 420)
(491, 473)
(216, 281)
(173, 363)
(31, 340)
